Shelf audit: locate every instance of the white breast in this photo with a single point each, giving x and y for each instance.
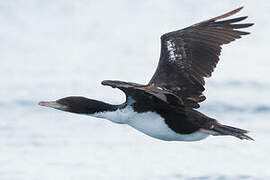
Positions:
(149, 123)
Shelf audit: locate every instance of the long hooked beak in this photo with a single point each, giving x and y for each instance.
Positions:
(52, 104)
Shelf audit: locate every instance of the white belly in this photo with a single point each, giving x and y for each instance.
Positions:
(154, 125)
(149, 123)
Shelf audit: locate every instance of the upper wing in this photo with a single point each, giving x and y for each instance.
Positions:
(191, 54)
(149, 96)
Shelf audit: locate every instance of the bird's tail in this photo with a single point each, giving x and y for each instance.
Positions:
(220, 130)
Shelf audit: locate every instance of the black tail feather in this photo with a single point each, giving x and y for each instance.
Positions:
(228, 130)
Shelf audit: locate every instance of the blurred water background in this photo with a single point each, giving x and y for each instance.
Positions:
(55, 48)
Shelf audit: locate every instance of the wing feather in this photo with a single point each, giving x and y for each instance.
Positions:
(155, 97)
(191, 54)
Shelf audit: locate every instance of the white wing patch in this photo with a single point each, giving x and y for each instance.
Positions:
(173, 55)
(171, 49)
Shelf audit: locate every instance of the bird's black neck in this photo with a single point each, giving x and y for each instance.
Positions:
(93, 106)
(82, 105)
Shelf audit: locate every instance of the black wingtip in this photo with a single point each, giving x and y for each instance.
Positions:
(104, 83)
(108, 83)
(227, 14)
(114, 83)
(239, 26)
(242, 32)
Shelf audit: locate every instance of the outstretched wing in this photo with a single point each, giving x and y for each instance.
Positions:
(149, 96)
(191, 54)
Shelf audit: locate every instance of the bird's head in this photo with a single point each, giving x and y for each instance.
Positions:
(77, 104)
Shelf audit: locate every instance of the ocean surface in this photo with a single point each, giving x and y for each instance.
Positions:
(55, 48)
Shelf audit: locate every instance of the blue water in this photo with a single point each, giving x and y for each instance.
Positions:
(52, 49)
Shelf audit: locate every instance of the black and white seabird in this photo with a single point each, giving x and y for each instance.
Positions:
(165, 108)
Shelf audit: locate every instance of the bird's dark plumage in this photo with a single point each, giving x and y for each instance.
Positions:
(187, 57)
(191, 54)
(175, 90)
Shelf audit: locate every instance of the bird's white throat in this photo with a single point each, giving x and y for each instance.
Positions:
(121, 116)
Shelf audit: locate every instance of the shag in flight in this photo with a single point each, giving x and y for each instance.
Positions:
(165, 108)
